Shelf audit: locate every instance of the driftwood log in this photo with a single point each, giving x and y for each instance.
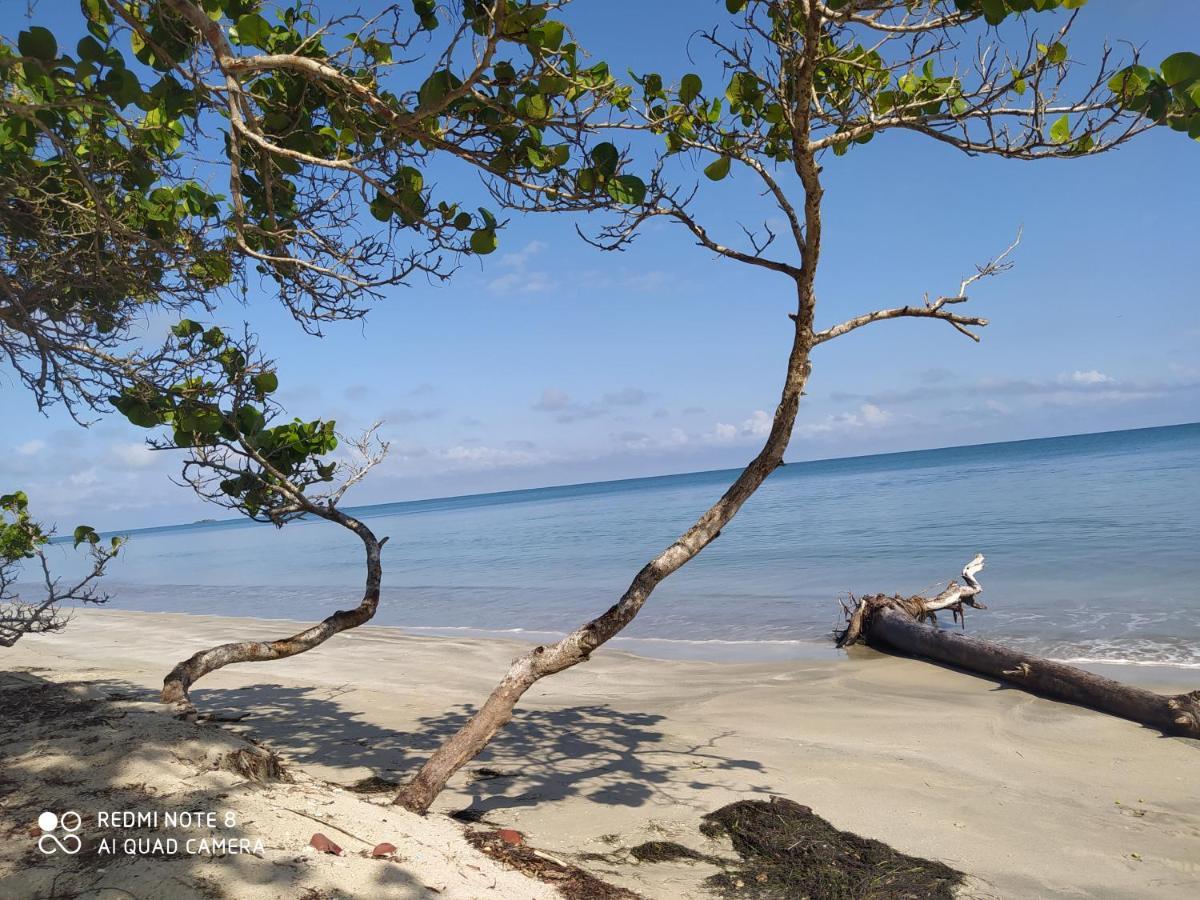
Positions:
(908, 624)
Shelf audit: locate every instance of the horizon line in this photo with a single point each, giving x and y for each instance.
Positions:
(203, 523)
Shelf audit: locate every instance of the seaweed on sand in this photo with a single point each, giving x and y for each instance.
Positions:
(788, 851)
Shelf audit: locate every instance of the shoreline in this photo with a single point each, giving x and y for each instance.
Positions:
(1029, 797)
(1148, 674)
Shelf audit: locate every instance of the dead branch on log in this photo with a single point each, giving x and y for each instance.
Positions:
(898, 623)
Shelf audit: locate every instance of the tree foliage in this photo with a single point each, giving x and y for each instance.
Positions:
(23, 542)
(184, 147)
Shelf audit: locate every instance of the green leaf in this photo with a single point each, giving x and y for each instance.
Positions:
(627, 189)
(718, 168)
(585, 180)
(994, 11)
(436, 87)
(534, 107)
(381, 209)
(89, 48)
(85, 533)
(186, 328)
(735, 6)
(266, 382)
(38, 42)
(377, 50)
(253, 29)
(689, 88)
(1181, 69)
(250, 421)
(548, 34)
(483, 241)
(606, 157)
(204, 421)
(1060, 131)
(1130, 83)
(1056, 53)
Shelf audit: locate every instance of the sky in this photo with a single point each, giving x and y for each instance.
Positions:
(550, 362)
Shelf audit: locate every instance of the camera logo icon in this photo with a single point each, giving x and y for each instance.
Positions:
(59, 833)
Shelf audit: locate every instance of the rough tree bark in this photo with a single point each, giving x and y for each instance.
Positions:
(177, 684)
(897, 623)
(577, 647)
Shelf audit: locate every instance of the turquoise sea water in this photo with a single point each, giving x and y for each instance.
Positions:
(1092, 545)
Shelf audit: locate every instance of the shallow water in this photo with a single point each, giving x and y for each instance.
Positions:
(1092, 543)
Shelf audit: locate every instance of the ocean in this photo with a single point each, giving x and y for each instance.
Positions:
(1092, 546)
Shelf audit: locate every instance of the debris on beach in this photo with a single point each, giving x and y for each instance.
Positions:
(571, 881)
(788, 851)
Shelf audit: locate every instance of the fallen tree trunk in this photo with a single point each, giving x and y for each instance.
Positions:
(898, 623)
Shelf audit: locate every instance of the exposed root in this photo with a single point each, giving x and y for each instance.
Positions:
(1186, 708)
(954, 598)
(858, 619)
(258, 764)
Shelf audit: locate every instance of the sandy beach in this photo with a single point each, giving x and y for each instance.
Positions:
(1029, 797)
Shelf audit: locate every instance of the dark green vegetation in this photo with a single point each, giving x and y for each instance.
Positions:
(788, 852)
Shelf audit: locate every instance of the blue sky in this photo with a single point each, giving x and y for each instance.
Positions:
(550, 362)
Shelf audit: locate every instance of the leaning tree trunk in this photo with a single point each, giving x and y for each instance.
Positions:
(183, 676)
(577, 647)
(897, 623)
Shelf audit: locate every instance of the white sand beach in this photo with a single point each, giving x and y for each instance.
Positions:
(1030, 798)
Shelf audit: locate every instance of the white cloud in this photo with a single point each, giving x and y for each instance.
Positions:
(519, 258)
(30, 448)
(484, 457)
(133, 455)
(868, 415)
(723, 432)
(520, 279)
(521, 282)
(1089, 377)
(873, 415)
(634, 440)
(758, 425)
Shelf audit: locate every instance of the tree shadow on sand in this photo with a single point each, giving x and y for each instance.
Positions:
(85, 747)
(594, 751)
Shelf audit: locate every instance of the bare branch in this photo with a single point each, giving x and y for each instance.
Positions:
(932, 309)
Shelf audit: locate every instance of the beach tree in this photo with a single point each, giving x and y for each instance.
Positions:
(805, 82)
(23, 543)
(184, 149)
